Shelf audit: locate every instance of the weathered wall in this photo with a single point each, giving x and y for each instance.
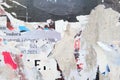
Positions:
(103, 26)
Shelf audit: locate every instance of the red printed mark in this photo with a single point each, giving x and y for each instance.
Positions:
(1, 39)
(8, 60)
(9, 26)
(21, 55)
(77, 44)
(80, 66)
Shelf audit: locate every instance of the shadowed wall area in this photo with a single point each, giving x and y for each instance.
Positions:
(41, 10)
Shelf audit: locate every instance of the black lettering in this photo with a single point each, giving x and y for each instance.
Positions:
(36, 64)
(44, 67)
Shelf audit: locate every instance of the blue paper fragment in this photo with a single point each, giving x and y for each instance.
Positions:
(23, 29)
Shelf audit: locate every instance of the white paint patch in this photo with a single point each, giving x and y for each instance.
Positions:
(82, 19)
(19, 4)
(74, 75)
(112, 52)
(103, 46)
(102, 1)
(6, 5)
(60, 26)
(13, 13)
